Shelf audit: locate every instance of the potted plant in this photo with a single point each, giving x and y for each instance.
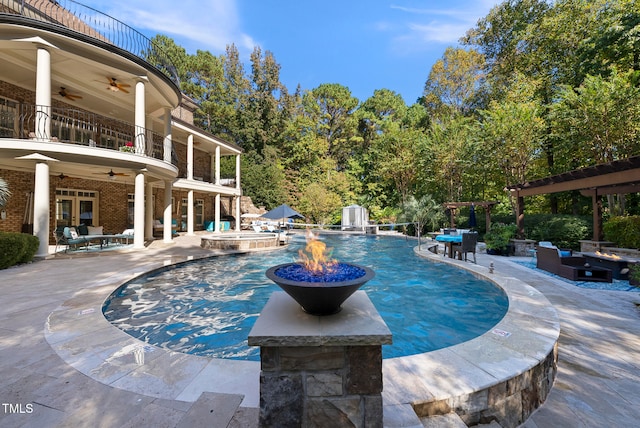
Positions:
(128, 147)
(497, 239)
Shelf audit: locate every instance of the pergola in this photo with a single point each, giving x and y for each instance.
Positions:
(617, 177)
(453, 206)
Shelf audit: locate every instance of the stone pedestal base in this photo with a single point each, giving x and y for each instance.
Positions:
(320, 371)
(523, 247)
(587, 246)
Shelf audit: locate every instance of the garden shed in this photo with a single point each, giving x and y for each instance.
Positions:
(355, 217)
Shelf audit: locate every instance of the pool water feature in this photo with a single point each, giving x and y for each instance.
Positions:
(207, 307)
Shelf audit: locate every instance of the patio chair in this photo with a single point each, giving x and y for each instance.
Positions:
(563, 263)
(67, 236)
(468, 245)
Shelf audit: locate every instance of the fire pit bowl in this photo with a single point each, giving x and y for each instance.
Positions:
(320, 293)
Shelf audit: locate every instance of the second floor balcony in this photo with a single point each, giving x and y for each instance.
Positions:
(67, 125)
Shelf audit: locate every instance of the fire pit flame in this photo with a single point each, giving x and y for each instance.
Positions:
(610, 256)
(318, 283)
(319, 261)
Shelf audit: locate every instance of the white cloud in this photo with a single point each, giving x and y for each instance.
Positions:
(435, 25)
(207, 24)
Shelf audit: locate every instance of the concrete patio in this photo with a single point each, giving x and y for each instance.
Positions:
(597, 383)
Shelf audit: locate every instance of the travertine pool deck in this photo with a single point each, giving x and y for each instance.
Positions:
(62, 364)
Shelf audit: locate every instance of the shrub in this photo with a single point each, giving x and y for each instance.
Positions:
(624, 231)
(499, 235)
(565, 231)
(17, 248)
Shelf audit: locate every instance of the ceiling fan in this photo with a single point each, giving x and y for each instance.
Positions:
(115, 86)
(68, 95)
(113, 174)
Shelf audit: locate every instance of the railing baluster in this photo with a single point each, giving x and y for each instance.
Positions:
(91, 22)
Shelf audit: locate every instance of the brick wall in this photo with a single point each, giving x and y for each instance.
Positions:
(112, 205)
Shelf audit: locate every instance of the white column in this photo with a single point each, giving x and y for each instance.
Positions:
(217, 177)
(140, 119)
(238, 172)
(190, 157)
(138, 212)
(212, 168)
(43, 95)
(238, 213)
(190, 212)
(41, 208)
(168, 138)
(148, 212)
(217, 214)
(167, 230)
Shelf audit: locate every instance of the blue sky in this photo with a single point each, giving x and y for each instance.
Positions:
(363, 45)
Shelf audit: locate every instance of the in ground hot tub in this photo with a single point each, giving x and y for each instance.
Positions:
(240, 241)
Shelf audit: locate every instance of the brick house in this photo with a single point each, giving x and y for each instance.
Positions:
(94, 130)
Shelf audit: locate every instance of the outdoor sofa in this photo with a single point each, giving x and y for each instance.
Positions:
(83, 235)
(563, 263)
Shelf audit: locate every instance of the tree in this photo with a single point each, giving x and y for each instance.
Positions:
(597, 122)
(319, 203)
(421, 212)
(454, 81)
(513, 132)
(330, 106)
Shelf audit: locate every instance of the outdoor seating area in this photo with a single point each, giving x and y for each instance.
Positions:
(84, 237)
(563, 263)
(460, 241)
(468, 244)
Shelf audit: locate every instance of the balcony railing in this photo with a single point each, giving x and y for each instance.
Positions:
(80, 127)
(90, 22)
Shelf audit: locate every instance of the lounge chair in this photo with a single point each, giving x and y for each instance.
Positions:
(67, 236)
(468, 245)
(563, 263)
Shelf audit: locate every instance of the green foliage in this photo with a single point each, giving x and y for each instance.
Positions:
(423, 212)
(499, 235)
(565, 231)
(264, 180)
(597, 122)
(541, 88)
(17, 248)
(624, 231)
(320, 204)
(453, 82)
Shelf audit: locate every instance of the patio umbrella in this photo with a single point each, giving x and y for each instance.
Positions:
(281, 212)
(472, 217)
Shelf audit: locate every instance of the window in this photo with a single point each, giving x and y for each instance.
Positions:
(8, 118)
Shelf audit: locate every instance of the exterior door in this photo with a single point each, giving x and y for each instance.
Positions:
(74, 207)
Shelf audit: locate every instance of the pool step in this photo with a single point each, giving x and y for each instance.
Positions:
(211, 410)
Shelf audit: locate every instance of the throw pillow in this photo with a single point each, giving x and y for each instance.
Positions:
(82, 229)
(95, 230)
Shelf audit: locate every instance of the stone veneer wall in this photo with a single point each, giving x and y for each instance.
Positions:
(510, 403)
(337, 386)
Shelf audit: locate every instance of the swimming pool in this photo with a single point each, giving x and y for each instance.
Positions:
(207, 307)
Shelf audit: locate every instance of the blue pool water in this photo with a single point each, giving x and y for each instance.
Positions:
(207, 307)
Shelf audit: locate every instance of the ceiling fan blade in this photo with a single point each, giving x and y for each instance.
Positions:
(122, 89)
(65, 94)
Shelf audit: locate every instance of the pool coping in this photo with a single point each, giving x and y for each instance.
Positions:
(516, 368)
